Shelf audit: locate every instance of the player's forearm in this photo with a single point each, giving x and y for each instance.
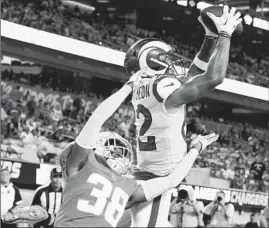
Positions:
(217, 66)
(200, 62)
(172, 180)
(89, 133)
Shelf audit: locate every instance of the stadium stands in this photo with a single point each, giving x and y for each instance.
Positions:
(35, 129)
(53, 16)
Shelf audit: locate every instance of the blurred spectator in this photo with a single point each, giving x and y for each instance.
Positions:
(14, 112)
(26, 136)
(238, 181)
(67, 22)
(45, 111)
(16, 95)
(258, 167)
(10, 195)
(11, 130)
(253, 223)
(56, 113)
(31, 124)
(31, 105)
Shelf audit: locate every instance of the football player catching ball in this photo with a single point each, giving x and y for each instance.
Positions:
(160, 104)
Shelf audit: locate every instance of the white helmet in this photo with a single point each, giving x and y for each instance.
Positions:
(154, 57)
(116, 150)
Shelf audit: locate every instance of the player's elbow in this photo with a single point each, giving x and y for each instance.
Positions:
(214, 78)
(214, 82)
(219, 81)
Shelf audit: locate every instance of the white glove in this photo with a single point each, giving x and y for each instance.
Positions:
(228, 21)
(134, 80)
(25, 214)
(201, 142)
(207, 31)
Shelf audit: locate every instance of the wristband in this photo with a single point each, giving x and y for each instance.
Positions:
(225, 34)
(200, 63)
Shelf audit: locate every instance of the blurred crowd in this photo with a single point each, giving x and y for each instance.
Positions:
(55, 17)
(37, 130)
(33, 128)
(240, 155)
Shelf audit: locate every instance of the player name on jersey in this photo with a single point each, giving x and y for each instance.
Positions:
(141, 92)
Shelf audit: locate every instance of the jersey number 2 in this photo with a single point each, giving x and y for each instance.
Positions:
(150, 144)
(114, 209)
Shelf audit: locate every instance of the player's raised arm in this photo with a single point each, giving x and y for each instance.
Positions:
(217, 66)
(150, 189)
(88, 136)
(200, 62)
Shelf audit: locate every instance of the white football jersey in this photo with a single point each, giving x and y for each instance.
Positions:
(160, 134)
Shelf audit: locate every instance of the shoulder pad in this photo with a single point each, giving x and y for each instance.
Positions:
(164, 86)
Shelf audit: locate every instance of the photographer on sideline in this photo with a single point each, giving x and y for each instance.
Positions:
(185, 211)
(221, 214)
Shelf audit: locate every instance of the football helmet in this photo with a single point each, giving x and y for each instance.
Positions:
(154, 57)
(116, 150)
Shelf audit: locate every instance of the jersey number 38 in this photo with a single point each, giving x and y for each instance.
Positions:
(114, 209)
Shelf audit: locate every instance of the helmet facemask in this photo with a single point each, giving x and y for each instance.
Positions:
(174, 64)
(117, 152)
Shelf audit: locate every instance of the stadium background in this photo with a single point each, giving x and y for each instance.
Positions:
(51, 84)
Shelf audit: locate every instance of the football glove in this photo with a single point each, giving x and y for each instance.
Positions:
(25, 214)
(228, 21)
(134, 80)
(201, 142)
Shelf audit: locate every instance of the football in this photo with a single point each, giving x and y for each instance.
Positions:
(217, 11)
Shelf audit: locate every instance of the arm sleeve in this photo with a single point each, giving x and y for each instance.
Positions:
(89, 134)
(172, 180)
